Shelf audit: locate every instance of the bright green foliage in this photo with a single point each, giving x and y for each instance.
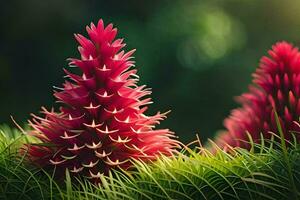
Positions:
(245, 175)
(266, 172)
(17, 180)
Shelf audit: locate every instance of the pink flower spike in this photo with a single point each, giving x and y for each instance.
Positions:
(275, 87)
(102, 107)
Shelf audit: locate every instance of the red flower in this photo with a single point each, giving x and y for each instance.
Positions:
(101, 123)
(276, 87)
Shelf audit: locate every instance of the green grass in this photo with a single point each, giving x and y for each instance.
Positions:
(268, 171)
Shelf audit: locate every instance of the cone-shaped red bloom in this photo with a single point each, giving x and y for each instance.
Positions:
(276, 87)
(101, 123)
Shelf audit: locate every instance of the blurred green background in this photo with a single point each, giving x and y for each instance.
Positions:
(195, 55)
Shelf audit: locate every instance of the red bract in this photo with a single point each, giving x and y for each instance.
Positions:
(276, 87)
(101, 123)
